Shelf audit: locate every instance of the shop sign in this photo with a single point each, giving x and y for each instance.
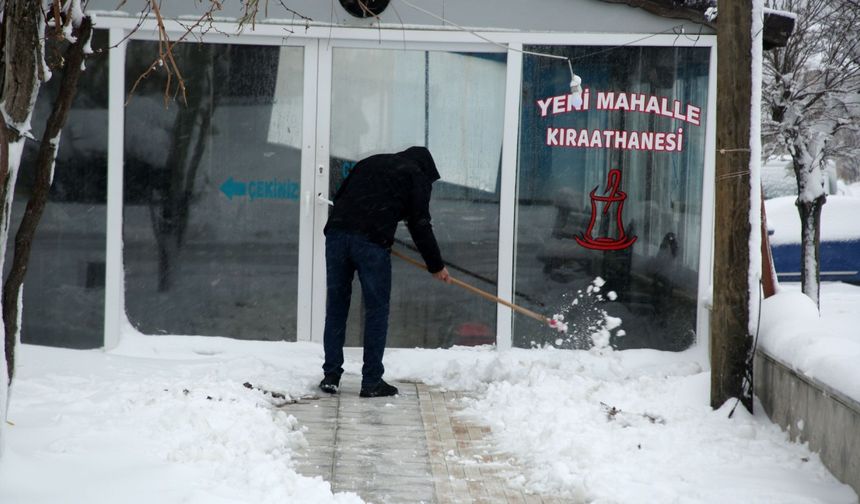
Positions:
(658, 141)
(611, 203)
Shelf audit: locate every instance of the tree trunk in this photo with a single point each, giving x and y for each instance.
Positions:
(23, 31)
(811, 196)
(22, 56)
(810, 243)
(731, 342)
(74, 58)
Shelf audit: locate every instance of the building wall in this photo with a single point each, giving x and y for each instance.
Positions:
(812, 413)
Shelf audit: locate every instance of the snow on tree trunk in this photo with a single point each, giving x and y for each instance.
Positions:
(24, 71)
(13, 151)
(74, 58)
(807, 153)
(754, 267)
(757, 31)
(810, 226)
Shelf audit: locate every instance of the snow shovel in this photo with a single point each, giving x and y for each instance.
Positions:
(486, 295)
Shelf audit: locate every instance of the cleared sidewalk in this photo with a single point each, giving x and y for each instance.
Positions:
(413, 448)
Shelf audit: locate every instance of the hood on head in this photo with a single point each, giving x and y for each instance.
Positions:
(421, 156)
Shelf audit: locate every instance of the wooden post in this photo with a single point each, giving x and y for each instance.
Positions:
(730, 339)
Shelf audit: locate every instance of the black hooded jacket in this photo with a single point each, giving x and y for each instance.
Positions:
(385, 189)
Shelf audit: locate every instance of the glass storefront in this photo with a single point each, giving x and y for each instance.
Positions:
(611, 189)
(211, 197)
(64, 287)
(607, 191)
(453, 103)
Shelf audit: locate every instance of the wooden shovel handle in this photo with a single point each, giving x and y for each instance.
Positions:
(484, 294)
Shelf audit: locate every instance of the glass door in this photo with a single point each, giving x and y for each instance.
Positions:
(386, 100)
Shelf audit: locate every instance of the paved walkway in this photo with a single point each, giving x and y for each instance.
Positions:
(413, 448)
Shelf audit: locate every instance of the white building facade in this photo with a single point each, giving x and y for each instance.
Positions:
(206, 218)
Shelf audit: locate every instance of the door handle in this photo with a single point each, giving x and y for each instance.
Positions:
(321, 200)
(306, 203)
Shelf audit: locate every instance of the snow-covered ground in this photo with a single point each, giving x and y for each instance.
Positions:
(628, 427)
(168, 420)
(165, 421)
(826, 348)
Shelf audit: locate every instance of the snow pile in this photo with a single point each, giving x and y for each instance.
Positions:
(825, 348)
(110, 428)
(627, 427)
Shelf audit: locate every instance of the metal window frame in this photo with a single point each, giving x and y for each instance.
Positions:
(116, 322)
(706, 238)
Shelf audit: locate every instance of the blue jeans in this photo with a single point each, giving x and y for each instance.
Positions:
(346, 253)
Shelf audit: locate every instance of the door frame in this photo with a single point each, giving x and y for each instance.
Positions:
(326, 49)
(116, 321)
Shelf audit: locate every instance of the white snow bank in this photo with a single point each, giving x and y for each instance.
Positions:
(91, 427)
(825, 348)
(624, 427)
(167, 419)
(839, 219)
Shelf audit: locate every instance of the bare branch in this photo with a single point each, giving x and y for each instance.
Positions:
(175, 83)
(57, 18)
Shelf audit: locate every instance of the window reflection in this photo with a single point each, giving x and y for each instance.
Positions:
(655, 277)
(211, 213)
(64, 287)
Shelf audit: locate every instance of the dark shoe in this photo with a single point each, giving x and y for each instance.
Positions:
(381, 389)
(330, 383)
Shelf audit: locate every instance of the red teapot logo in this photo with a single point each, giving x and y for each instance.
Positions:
(614, 201)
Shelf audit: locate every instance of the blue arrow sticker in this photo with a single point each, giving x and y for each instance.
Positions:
(262, 189)
(232, 188)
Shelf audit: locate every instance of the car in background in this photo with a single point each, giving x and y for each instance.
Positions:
(840, 238)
